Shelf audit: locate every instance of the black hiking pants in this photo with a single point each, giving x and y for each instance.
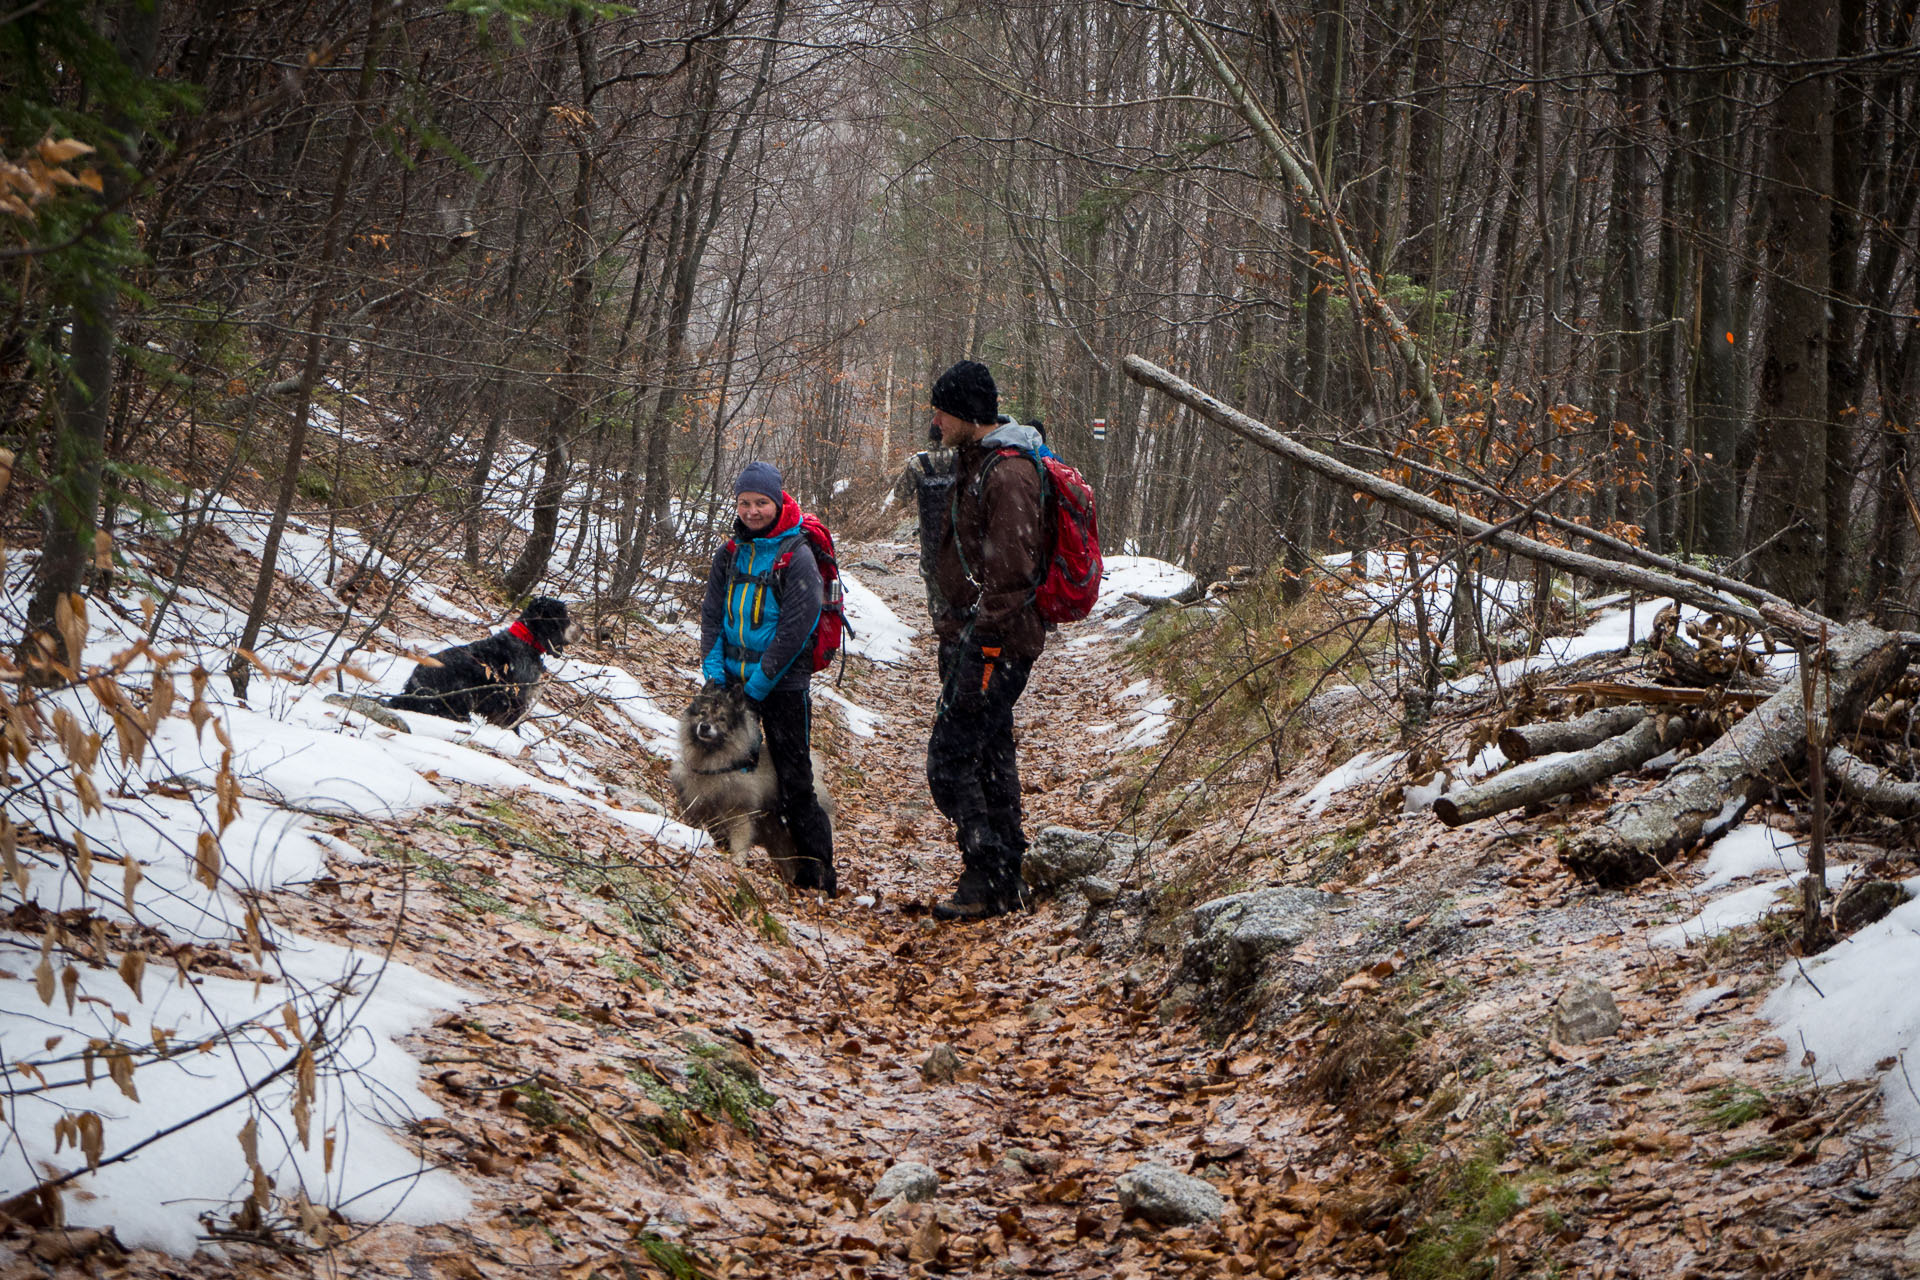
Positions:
(786, 726)
(971, 768)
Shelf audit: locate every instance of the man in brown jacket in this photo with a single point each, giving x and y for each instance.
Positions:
(991, 549)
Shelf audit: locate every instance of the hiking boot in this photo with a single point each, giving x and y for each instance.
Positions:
(811, 873)
(974, 901)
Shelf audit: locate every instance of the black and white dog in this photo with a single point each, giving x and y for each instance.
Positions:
(496, 678)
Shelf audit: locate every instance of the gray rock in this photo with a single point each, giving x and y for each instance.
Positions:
(1060, 855)
(369, 708)
(942, 1065)
(910, 1179)
(1585, 1013)
(632, 798)
(1167, 1198)
(1232, 935)
(1099, 892)
(1033, 1163)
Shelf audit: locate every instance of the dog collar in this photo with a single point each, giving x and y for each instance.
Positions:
(747, 765)
(521, 631)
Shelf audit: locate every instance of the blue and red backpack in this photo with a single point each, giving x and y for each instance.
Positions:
(832, 628)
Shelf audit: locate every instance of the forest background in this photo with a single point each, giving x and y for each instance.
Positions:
(1649, 264)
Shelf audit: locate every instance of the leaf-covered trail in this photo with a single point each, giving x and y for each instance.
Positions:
(1065, 1082)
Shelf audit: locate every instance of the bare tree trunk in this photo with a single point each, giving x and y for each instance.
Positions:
(72, 502)
(570, 396)
(238, 667)
(1716, 337)
(1790, 517)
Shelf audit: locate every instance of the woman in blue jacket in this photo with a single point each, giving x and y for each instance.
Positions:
(756, 630)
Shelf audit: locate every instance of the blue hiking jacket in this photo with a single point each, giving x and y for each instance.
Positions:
(757, 623)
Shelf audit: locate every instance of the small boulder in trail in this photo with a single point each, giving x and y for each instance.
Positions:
(908, 1179)
(942, 1065)
(1168, 1198)
(1585, 1013)
(370, 708)
(1232, 935)
(1060, 855)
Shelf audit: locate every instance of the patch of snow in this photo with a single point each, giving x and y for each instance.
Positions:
(1124, 576)
(1150, 725)
(1749, 850)
(1853, 1006)
(1362, 768)
(1743, 906)
(653, 728)
(1490, 760)
(365, 1081)
(878, 633)
(860, 721)
(1419, 799)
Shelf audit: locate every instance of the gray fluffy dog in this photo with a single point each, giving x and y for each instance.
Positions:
(726, 781)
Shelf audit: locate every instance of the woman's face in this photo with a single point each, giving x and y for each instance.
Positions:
(756, 510)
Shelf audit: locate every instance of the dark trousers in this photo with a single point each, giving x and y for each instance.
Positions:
(786, 725)
(970, 762)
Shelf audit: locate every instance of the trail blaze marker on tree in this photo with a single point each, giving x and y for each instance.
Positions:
(1099, 429)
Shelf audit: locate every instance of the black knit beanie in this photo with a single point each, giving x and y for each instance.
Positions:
(967, 392)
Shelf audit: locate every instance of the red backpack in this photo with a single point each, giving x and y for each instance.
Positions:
(1070, 584)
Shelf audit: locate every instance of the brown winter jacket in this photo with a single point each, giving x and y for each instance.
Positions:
(999, 529)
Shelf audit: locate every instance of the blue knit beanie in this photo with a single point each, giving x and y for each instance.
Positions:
(759, 477)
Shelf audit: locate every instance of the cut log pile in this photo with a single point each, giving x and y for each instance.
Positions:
(1751, 735)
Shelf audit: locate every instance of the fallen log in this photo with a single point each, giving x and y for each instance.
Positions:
(1660, 693)
(1707, 793)
(1472, 529)
(1542, 781)
(1861, 781)
(1527, 741)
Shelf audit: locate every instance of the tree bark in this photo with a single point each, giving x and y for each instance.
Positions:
(1716, 343)
(70, 509)
(1789, 525)
(1707, 793)
(570, 396)
(1861, 781)
(238, 668)
(1543, 781)
(1526, 741)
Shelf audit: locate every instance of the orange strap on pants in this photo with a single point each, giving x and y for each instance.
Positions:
(986, 670)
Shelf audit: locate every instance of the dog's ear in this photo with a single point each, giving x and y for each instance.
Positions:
(713, 686)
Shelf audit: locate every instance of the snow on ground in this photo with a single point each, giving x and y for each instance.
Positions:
(1743, 906)
(1851, 1004)
(657, 731)
(145, 866)
(1361, 769)
(879, 634)
(1142, 576)
(1609, 632)
(1751, 849)
(1146, 725)
(860, 722)
(1853, 1007)
(292, 754)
